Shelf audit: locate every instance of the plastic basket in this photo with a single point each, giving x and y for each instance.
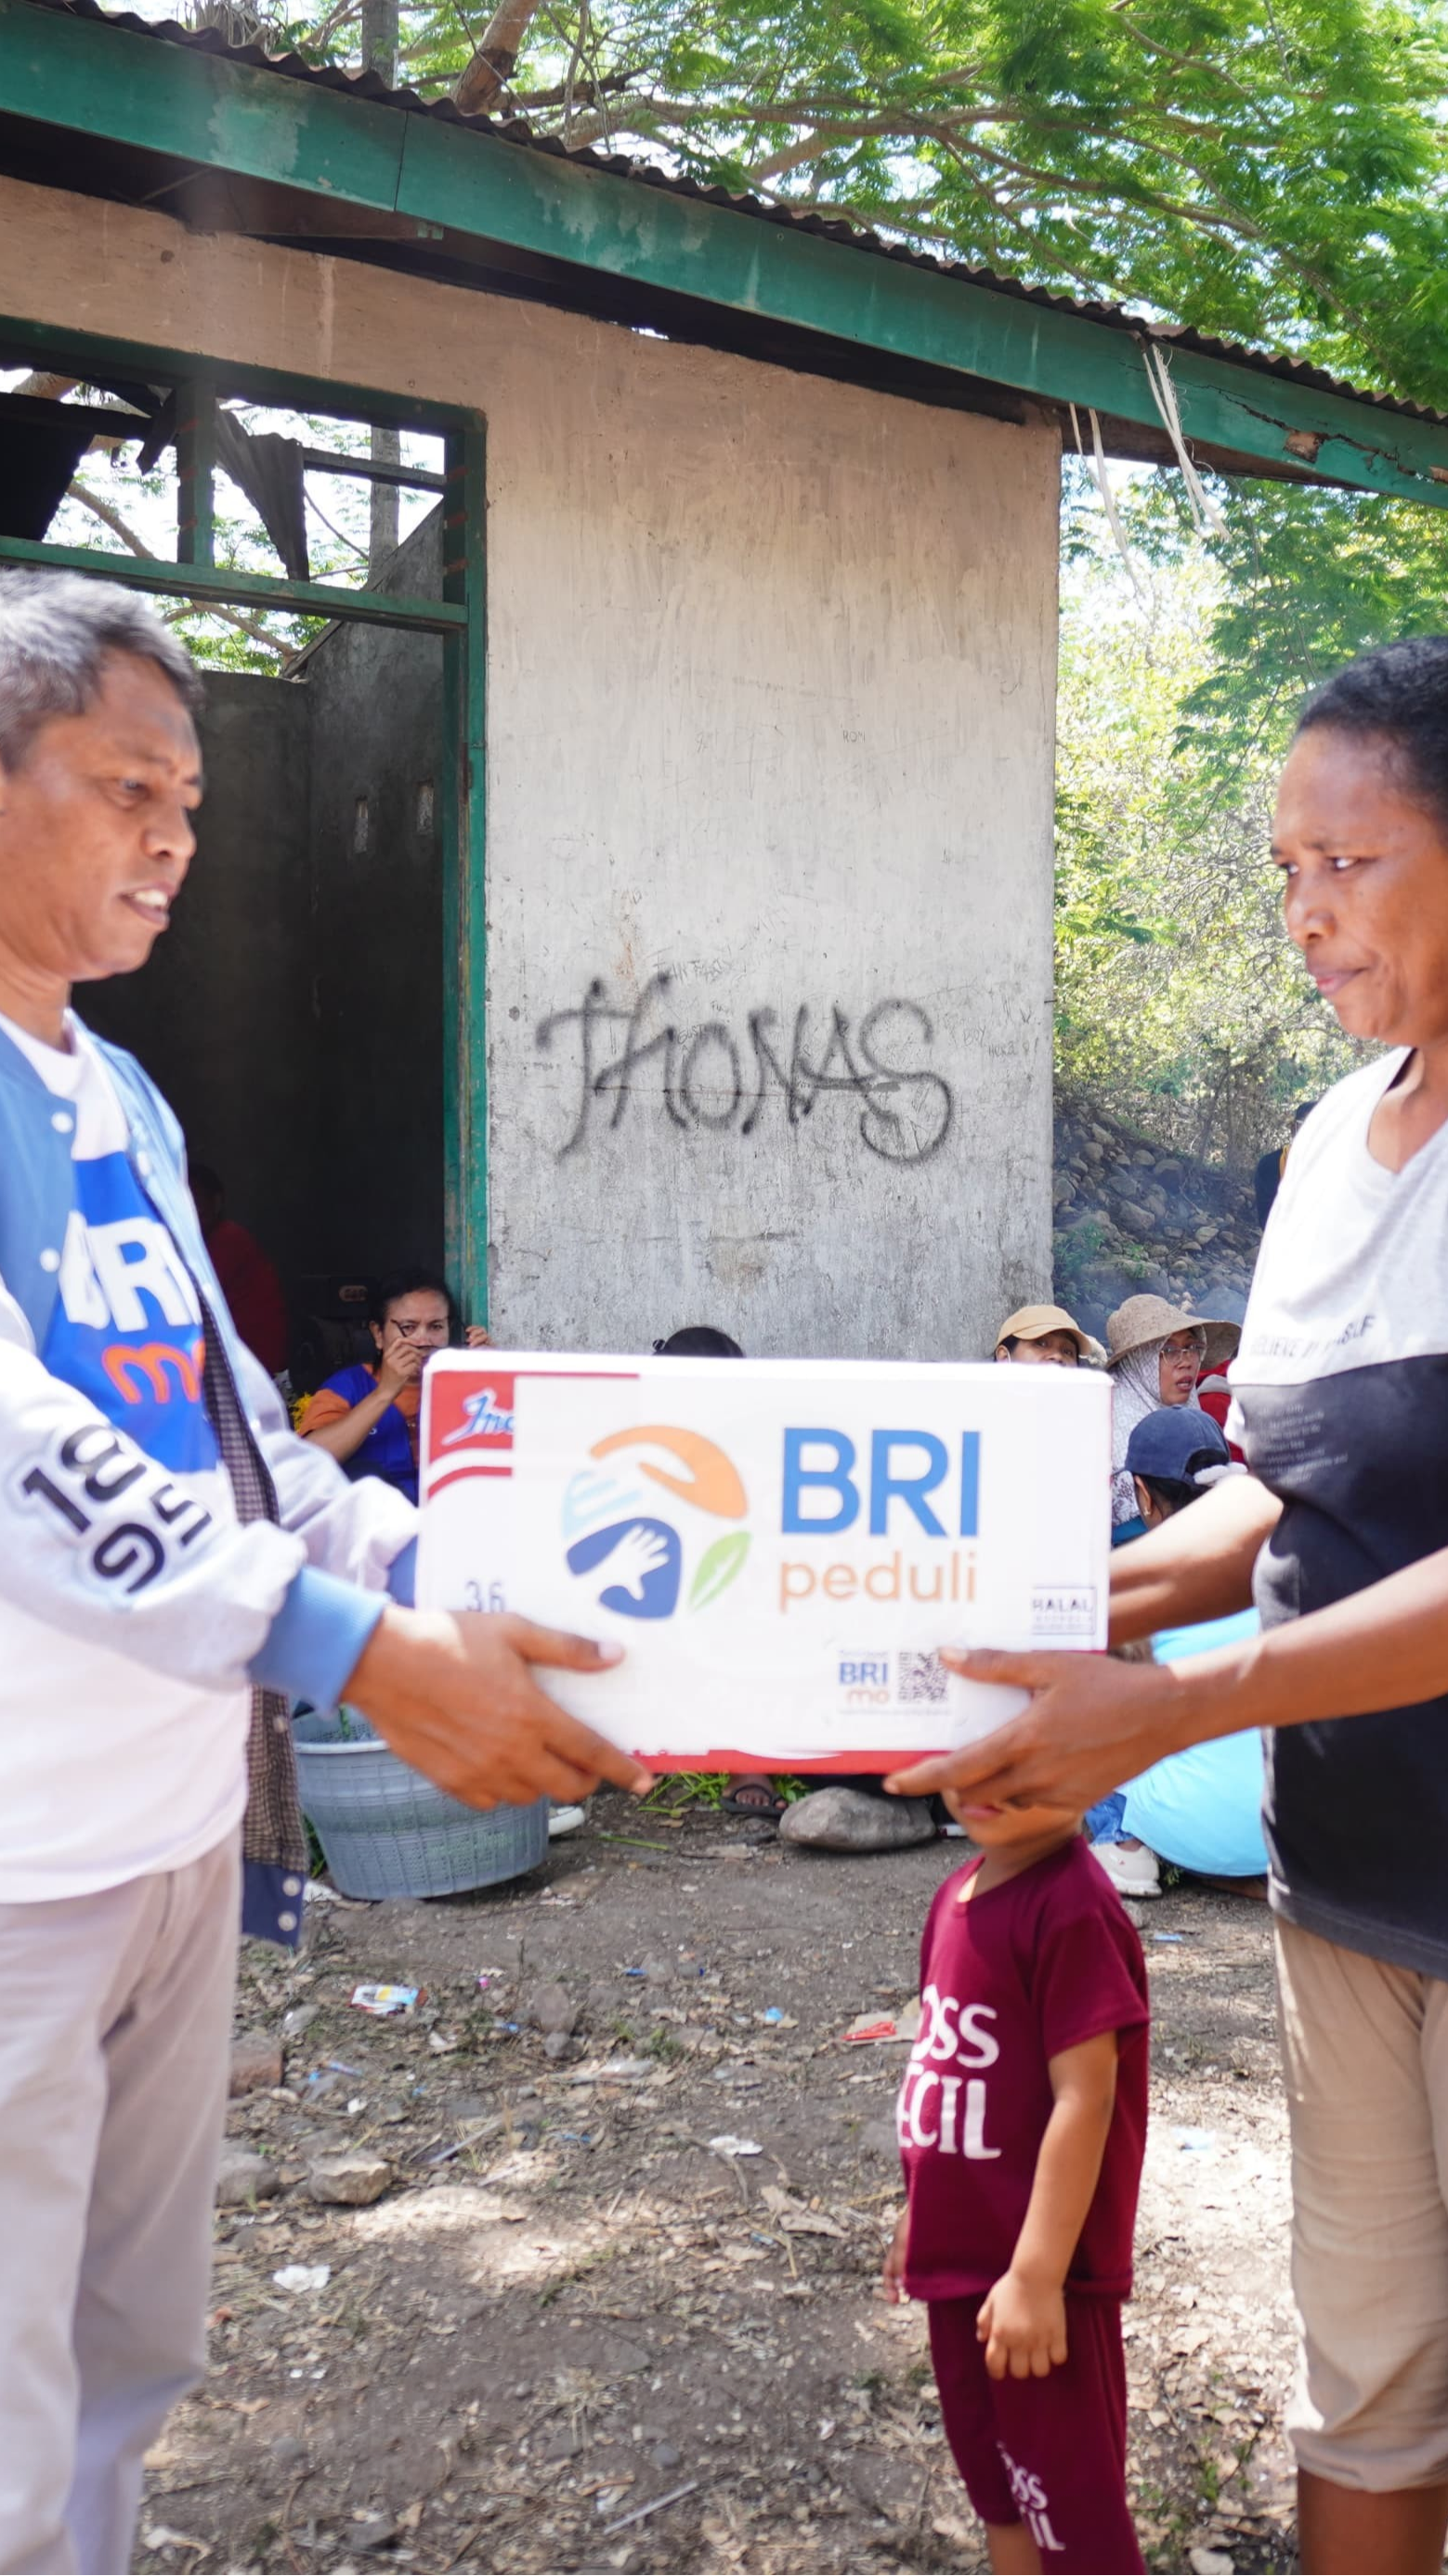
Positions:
(388, 1831)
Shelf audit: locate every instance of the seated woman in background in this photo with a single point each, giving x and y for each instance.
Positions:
(1155, 1355)
(1200, 1809)
(366, 1416)
(1045, 1336)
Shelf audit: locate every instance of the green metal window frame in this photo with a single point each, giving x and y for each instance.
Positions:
(88, 78)
(459, 617)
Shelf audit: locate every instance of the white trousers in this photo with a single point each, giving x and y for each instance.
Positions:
(115, 2020)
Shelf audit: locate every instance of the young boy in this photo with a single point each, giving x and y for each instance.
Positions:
(1022, 2122)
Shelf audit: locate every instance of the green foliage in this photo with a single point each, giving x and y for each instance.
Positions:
(1308, 580)
(1179, 1002)
(1269, 174)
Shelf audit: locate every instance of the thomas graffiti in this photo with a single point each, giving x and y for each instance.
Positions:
(711, 1078)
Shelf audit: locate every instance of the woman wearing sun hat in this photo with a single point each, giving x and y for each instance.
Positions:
(1045, 1333)
(1155, 1352)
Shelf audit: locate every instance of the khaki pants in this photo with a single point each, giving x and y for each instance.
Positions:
(115, 2017)
(1365, 2059)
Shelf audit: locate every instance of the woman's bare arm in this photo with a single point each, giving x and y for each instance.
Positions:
(1197, 1566)
(344, 1437)
(1093, 1723)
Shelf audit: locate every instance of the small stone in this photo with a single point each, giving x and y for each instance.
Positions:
(349, 2181)
(243, 2176)
(553, 2010)
(558, 2045)
(1210, 2562)
(287, 2452)
(665, 2457)
(847, 1820)
(256, 2063)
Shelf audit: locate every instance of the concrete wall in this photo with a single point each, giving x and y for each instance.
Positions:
(770, 717)
(770, 759)
(221, 1014)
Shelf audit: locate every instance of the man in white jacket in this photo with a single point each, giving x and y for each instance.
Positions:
(173, 1564)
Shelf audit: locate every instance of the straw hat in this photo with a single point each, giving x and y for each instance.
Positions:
(1143, 1320)
(1033, 1323)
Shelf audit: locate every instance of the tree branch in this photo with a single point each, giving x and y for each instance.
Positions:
(485, 78)
(109, 518)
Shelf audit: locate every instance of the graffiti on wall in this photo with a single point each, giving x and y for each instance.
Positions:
(633, 1058)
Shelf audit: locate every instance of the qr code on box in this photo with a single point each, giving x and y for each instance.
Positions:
(922, 1681)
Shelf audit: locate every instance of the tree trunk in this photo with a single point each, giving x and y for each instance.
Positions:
(493, 65)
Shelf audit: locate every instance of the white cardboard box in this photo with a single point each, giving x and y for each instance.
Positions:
(781, 1546)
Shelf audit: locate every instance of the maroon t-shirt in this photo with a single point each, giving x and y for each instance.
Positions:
(1007, 1982)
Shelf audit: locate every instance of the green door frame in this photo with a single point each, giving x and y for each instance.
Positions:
(459, 617)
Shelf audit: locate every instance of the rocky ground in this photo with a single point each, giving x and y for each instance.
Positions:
(613, 2305)
(1130, 1216)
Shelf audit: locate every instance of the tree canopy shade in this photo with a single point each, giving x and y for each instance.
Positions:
(1271, 170)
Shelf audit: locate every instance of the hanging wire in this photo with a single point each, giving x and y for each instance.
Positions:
(1095, 465)
(1205, 513)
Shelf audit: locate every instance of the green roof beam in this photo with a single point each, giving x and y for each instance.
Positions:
(89, 78)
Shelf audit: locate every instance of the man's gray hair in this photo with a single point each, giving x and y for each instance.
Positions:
(56, 629)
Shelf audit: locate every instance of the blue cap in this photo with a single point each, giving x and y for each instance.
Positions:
(1175, 1441)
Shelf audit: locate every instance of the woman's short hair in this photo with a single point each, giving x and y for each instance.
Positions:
(1399, 692)
(1170, 1493)
(406, 1283)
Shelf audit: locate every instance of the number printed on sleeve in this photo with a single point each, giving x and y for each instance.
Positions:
(121, 1511)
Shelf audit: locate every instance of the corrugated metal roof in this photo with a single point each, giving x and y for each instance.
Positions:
(516, 132)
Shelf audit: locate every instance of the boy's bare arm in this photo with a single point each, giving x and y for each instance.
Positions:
(1022, 2319)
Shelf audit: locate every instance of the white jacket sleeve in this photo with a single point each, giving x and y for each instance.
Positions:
(101, 1541)
(355, 1531)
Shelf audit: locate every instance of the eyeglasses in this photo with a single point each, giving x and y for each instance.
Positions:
(1180, 1350)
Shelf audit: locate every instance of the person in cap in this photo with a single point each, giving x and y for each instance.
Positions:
(1155, 1352)
(1200, 1810)
(1173, 1456)
(1043, 1333)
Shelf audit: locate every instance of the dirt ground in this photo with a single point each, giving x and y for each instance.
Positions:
(570, 2307)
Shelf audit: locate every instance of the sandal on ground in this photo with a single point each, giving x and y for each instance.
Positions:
(1131, 1868)
(753, 1796)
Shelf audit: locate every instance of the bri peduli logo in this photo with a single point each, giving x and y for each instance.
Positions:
(636, 1559)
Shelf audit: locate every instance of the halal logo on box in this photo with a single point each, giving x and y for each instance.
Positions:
(637, 1559)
